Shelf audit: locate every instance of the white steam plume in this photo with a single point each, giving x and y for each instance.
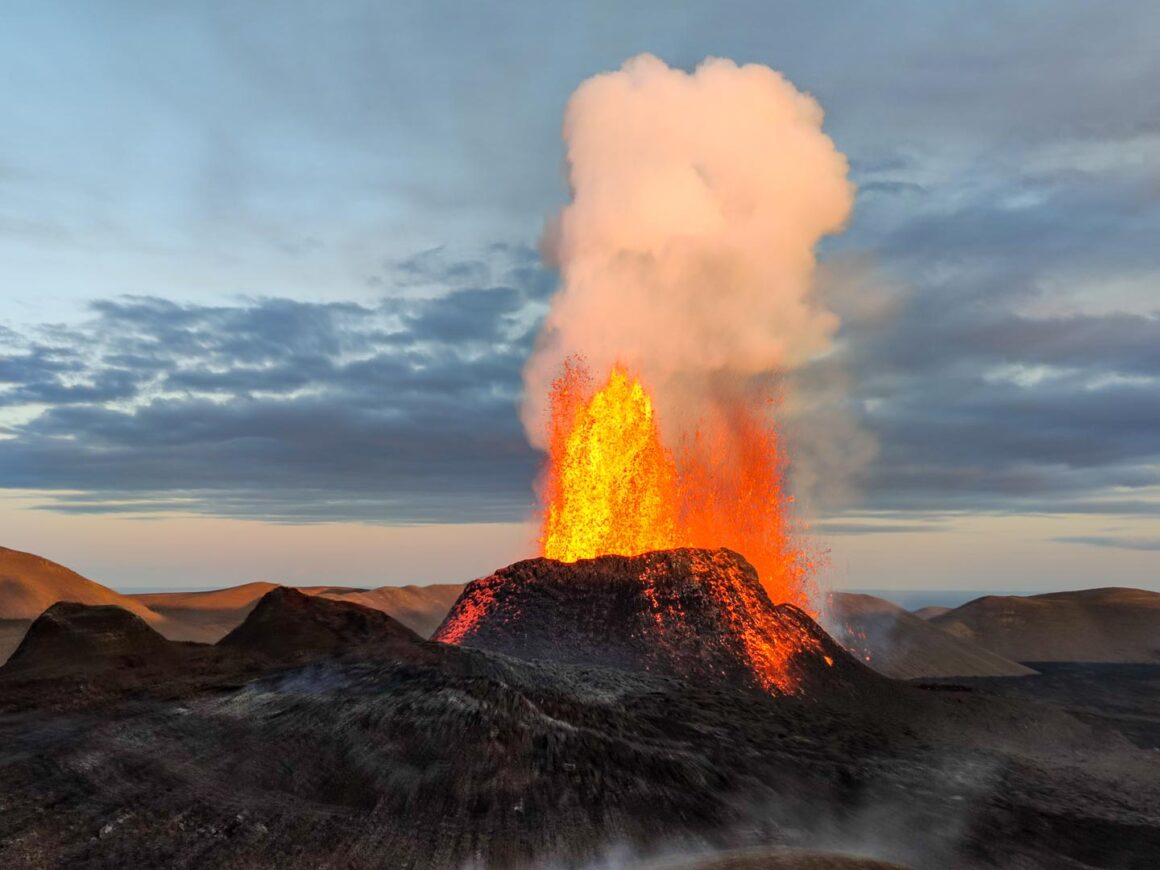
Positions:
(687, 251)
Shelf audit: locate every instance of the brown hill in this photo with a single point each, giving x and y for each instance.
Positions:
(288, 625)
(1093, 625)
(899, 644)
(29, 585)
(210, 615)
(205, 617)
(70, 637)
(696, 614)
(77, 655)
(230, 598)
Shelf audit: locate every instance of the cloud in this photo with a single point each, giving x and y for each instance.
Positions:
(399, 411)
(1112, 542)
(840, 528)
(1006, 362)
(404, 408)
(986, 385)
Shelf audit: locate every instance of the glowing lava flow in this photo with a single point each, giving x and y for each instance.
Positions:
(612, 487)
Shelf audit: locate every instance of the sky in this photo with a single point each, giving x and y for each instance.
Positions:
(270, 272)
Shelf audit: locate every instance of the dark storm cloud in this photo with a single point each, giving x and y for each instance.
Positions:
(404, 411)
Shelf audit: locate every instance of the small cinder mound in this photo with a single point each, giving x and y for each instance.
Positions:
(29, 585)
(901, 645)
(1091, 625)
(696, 614)
(288, 625)
(71, 637)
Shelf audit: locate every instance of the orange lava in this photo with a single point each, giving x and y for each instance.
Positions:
(770, 646)
(613, 487)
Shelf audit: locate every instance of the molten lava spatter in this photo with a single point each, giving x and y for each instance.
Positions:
(613, 488)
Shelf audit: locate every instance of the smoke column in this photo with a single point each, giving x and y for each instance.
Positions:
(687, 250)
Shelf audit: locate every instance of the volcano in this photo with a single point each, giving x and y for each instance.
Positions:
(700, 615)
(288, 625)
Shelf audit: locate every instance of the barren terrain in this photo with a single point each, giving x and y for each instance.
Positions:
(327, 734)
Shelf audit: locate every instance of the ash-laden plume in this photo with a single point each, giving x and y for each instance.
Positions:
(687, 251)
(687, 259)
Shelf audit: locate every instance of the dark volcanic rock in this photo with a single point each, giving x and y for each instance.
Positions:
(289, 626)
(353, 764)
(693, 614)
(474, 759)
(76, 656)
(76, 637)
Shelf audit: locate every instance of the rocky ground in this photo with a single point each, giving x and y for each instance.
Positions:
(360, 745)
(1114, 697)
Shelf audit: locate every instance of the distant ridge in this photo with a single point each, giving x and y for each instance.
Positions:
(30, 584)
(228, 598)
(931, 611)
(1111, 624)
(420, 608)
(209, 615)
(290, 626)
(900, 644)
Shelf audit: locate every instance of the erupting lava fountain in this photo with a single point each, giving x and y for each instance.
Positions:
(686, 303)
(613, 488)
